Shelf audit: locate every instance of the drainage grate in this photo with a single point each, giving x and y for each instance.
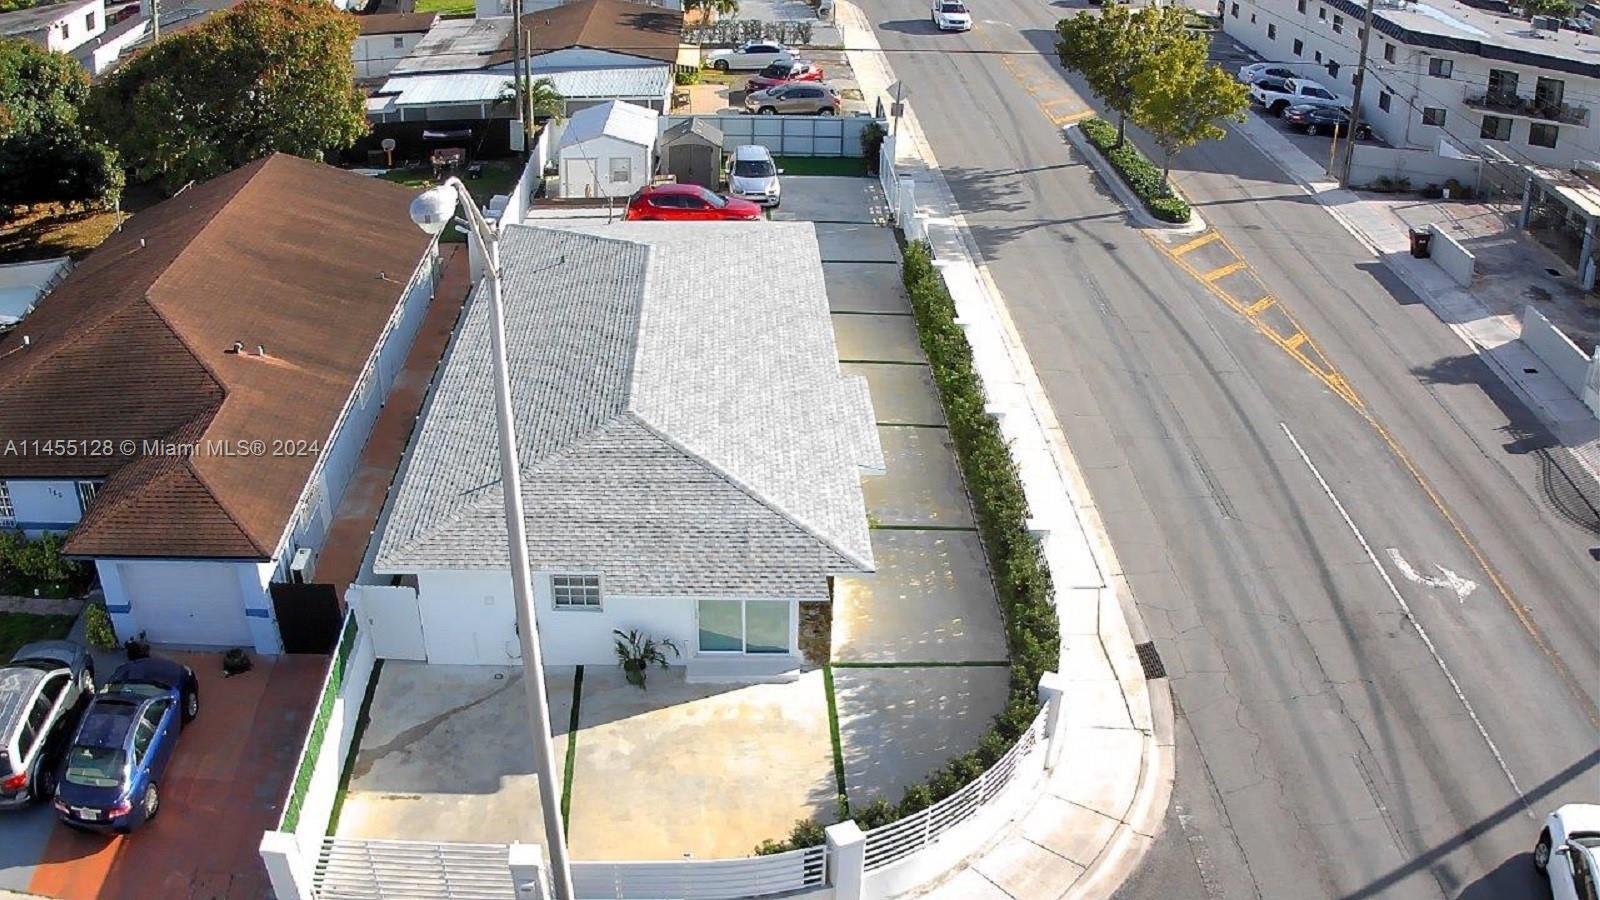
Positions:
(1151, 660)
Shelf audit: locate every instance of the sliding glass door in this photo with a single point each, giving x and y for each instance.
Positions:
(745, 626)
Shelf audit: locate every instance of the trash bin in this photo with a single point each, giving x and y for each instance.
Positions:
(1419, 242)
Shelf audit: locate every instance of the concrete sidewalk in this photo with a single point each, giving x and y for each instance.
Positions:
(1101, 807)
(1495, 336)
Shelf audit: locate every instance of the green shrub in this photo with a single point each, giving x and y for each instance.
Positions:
(916, 798)
(37, 568)
(685, 77)
(872, 815)
(805, 833)
(1141, 175)
(97, 628)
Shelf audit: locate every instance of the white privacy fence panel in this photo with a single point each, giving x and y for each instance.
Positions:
(896, 841)
(701, 879)
(787, 135)
(380, 870)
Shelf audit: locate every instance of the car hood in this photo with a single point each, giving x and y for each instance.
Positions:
(956, 17)
(741, 183)
(1580, 817)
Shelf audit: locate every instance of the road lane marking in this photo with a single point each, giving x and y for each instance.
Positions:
(1446, 579)
(1069, 118)
(1221, 272)
(1196, 243)
(1405, 609)
(1260, 306)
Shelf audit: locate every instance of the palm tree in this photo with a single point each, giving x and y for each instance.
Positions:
(544, 101)
(712, 9)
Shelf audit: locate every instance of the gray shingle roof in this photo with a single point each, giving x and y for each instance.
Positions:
(682, 421)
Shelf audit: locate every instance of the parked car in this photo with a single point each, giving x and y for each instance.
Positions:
(784, 73)
(687, 202)
(949, 15)
(110, 780)
(40, 690)
(1568, 852)
(1324, 120)
(753, 176)
(1277, 96)
(749, 57)
(1254, 72)
(801, 99)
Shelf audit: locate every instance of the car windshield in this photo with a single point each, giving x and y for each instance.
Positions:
(712, 199)
(952, 8)
(137, 688)
(754, 168)
(96, 766)
(96, 758)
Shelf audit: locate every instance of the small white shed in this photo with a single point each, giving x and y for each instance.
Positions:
(607, 150)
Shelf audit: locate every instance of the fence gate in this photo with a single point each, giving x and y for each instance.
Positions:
(308, 617)
(391, 618)
(350, 869)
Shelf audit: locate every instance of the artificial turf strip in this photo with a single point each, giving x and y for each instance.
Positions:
(838, 745)
(572, 751)
(362, 719)
(932, 664)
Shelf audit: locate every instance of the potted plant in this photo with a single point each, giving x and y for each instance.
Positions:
(636, 653)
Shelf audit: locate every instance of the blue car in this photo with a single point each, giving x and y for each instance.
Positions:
(110, 777)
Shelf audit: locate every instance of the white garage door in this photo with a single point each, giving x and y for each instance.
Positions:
(187, 603)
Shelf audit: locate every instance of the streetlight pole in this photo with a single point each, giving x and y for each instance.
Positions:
(433, 210)
(1355, 107)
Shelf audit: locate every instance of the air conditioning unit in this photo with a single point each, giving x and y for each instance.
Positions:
(1547, 23)
(302, 565)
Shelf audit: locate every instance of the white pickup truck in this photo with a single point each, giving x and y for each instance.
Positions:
(1276, 96)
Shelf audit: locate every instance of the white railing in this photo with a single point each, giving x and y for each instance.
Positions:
(888, 178)
(351, 869)
(702, 879)
(889, 844)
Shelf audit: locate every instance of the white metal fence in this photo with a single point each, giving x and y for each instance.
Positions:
(702, 879)
(888, 844)
(351, 869)
(787, 135)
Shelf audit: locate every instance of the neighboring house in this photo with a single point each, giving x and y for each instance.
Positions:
(191, 402)
(593, 50)
(607, 150)
(24, 284)
(487, 8)
(387, 38)
(61, 27)
(1442, 71)
(691, 453)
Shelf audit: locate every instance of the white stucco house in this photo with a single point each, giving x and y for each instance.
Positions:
(385, 39)
(608, 150)
(59, 27)
(191, 402)
(691, 454)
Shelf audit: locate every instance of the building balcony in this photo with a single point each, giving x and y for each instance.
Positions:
(1527, 107)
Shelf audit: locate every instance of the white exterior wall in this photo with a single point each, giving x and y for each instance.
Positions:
(586, 168)
(376, 54)
(76, 25)
(1412, 89)
(41, 506)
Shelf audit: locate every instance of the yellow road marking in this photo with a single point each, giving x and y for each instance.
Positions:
(1260, 306)
(1197, 243)
(1059, 101)
(1293, 341)
(1221, 272)
(1069, 118)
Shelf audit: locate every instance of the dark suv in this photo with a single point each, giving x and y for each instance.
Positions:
(40, 691)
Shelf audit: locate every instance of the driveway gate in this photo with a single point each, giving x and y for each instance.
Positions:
(351, 869)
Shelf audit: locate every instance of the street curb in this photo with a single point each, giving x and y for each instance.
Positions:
(1125, 195)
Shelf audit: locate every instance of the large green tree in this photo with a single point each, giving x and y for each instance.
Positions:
(265, 76)
(1110, 48)
(46, 154)
(1179, 97)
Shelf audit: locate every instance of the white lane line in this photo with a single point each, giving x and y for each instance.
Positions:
(1447, 580)
(1405, 608)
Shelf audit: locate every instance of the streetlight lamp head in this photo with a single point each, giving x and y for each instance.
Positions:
(433, 208)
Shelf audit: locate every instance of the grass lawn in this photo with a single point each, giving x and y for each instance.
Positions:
(447, 7)
(50, 230)
(17, 629)
(499, 177)
(855, 166)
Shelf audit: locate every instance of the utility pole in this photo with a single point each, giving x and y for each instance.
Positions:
(1355, 107)
(527, 83)
(516, 71)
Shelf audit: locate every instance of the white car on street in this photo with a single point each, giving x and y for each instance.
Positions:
(753, 56)
(1256, 71)
(950, 15)
(1568, 852)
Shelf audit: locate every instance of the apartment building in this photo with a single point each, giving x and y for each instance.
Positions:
(1441, 71)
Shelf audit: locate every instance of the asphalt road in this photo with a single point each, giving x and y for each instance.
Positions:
(1272, 535)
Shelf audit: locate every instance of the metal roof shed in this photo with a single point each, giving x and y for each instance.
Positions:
(691, 152)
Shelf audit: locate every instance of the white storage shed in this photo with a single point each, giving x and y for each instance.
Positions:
(608, 150)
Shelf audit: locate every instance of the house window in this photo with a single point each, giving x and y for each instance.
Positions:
(86, 492)
(1234, 10)
(1388, 52)
(1433, 115)
(1338, 24)
(1541, 134)
(1300, 7)
(1333, 70)
(66, 30)
(1317, 56)
(88, 22)
(575, 591)
(1502, 83)
(8, 513)
(744, 626)
(1252, 18)
(1322, 14)
(1440, 68)
(399, 43)
(1299, 47)
(1549, 93)
(621, 170)
(1495, 128)
(1272, 32)
(1383, 100)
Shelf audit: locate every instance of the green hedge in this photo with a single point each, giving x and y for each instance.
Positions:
(37, 568)
(319, 726)
(1021, 577)
(1138, 173)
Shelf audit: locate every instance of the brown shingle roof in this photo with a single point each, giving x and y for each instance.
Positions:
(652, 32)
(397, 23)
(287, 253)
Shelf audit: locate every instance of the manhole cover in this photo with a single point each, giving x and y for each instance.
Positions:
(1150, 660)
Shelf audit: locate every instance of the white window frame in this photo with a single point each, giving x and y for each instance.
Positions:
(8, 512)
(583, 589)
(87, 491)
(792, 640)
(611, 169)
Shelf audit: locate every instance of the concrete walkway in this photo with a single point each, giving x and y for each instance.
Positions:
(1494, 335)
(1100, 808)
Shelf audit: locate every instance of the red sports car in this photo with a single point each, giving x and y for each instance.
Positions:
(783, 73)
(688, 202)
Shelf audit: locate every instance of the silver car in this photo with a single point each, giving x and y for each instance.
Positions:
(800, 98)
(39, 693)
(754, 176)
